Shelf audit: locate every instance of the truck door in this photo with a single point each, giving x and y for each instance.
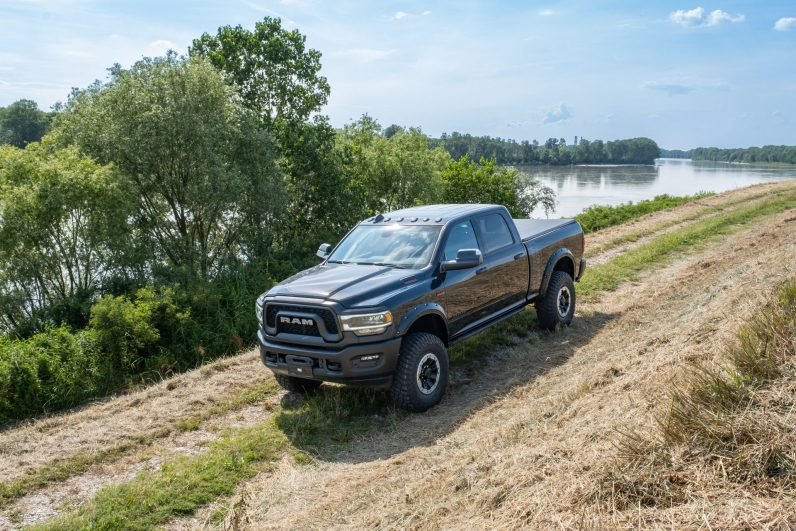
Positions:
(503, 278)
(461, 305)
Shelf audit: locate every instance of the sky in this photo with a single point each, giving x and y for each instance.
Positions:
(686, 74)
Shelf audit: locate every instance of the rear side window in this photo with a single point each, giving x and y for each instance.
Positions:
(494, 232)
(461, 236)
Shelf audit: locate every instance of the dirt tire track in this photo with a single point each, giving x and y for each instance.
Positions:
(527, 458)
(153, 411)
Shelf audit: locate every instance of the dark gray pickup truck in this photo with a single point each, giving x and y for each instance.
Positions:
(401, 287)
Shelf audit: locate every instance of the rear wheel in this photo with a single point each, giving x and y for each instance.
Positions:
(421, 377)
(557, 307)
(296, 385)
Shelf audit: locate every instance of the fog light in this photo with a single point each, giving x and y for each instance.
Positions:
(370, 357)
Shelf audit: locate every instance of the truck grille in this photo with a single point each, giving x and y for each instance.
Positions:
(324, 313)
(302, 330)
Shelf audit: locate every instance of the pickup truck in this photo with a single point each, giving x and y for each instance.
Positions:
(402, 287)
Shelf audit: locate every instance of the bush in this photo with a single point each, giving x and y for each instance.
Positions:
(52, 370)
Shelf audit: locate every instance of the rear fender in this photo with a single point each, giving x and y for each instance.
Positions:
(555, 258)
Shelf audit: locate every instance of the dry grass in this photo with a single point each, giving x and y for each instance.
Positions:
(730, 426)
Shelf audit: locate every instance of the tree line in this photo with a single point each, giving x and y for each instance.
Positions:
(554, 151)
(765, 154)
(783, 154)
(139, 222)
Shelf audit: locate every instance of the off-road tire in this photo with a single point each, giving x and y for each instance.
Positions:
(412, 388)
(296, 385)
(550, 308)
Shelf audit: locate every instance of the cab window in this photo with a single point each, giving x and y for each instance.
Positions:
(494, 232)
(461, 236)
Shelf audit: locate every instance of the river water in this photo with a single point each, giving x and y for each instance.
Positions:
(578, 187)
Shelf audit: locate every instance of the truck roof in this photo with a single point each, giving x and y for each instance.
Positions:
(432, 214)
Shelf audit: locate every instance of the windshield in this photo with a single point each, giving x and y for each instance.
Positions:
(394, 245)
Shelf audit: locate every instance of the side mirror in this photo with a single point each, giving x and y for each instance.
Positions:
(324, 250)
(465, 259)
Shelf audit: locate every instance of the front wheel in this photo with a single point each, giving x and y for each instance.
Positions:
(421, 377)
(557, 307)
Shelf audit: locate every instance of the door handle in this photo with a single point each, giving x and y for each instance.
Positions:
(518, 256)
(480, 270)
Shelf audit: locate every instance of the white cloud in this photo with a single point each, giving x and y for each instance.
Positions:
(785, 23)
(400, 15)
(718, 16)
(365, 55)
(561, 114)
(695, 18)
(688, 18)
(162, 46)
(679, 88)
(546, 12)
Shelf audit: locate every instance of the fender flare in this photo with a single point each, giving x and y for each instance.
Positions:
(419, 311)
(554, 259)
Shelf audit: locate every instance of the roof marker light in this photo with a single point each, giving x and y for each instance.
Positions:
(413, 220)
(438, 220)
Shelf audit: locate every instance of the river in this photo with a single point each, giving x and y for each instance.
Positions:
(578, 187)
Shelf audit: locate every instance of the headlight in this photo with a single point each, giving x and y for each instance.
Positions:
(258, 310)
(367, 324)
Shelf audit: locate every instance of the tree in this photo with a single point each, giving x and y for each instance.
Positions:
(201, 166)
(391, 130)
(22, 123)
(464, 181)
(275, 73)
(63, 231)
(390, 173)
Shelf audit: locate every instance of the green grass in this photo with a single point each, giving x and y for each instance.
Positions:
(705, 210)
(335, 416)
(628, 266)
(182, 485)
(65, 468)
(599, 217)
(324, 422)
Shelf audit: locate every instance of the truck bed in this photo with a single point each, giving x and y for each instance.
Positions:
(533, 228)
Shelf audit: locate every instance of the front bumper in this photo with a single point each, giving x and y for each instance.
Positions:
(344, 366)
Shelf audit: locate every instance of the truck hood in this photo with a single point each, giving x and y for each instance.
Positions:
(349, 284)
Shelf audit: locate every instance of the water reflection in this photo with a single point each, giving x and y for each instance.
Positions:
(577, 187)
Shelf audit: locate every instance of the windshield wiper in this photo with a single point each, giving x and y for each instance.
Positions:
(385, 264)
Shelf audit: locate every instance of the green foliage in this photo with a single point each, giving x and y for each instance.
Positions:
(22, 123)
(63, 230)
(553, 151)
(199, 164)
(389, 173)
(275, 73)
(134, 334)
(599, 217)
(776, 154)
(51, 370)
(464, 181)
